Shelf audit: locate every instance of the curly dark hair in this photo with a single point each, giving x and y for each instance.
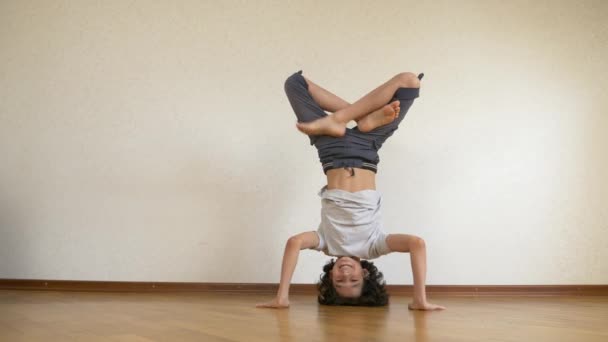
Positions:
(373, 292)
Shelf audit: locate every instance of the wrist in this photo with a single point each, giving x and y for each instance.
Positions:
(283, 291)
(419, 300)
(283, 301)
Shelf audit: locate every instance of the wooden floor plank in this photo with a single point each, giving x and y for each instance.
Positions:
(95, 316)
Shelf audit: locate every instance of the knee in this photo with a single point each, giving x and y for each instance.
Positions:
(294, 82)
(407, 80)
(290, 83)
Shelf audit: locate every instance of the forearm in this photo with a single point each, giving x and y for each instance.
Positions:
(290, 260)
(418, 261)
(417, 248)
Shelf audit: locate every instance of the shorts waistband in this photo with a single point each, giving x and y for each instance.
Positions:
(349, 163)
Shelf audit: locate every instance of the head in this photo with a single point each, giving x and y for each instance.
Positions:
(350, 281)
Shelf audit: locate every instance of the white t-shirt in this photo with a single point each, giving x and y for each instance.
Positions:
(351, 224)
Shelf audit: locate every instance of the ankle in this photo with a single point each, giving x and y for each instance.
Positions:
(338, 118)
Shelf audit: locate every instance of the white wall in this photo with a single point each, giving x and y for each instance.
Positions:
(152, 140)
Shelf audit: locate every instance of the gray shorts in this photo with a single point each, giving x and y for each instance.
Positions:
(355, 148)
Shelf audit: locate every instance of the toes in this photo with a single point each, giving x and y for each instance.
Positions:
(396, 106)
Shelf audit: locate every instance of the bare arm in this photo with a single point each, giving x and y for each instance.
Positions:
(417, 248)
(290, 259)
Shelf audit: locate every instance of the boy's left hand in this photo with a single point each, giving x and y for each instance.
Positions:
(425, 306)
(276, 303)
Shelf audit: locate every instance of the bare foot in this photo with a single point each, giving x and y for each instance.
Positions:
(380, 117)
(324, 126)
(424, 306)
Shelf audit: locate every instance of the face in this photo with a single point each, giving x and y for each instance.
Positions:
(347, 277)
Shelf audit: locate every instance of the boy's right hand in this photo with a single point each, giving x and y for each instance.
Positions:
(276, 303)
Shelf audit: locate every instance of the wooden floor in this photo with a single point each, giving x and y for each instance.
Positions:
(88, 316)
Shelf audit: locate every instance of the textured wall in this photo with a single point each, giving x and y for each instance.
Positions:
(152, 141)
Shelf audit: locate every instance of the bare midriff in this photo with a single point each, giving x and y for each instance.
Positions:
(344, 179)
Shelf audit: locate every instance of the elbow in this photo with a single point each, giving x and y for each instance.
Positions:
(293, 241)
(419, 243)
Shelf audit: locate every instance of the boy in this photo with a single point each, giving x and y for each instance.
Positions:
(351, 227)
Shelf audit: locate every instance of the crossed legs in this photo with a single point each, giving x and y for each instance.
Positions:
(371, 111)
